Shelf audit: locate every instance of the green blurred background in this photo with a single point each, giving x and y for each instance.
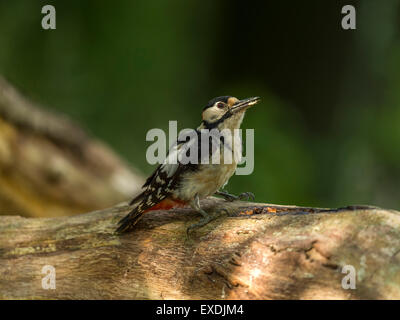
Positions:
(327, 132)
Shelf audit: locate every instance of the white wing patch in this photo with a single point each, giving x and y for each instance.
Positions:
(169, 169)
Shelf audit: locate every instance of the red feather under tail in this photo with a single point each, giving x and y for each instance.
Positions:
(167, 204)
(134, 216)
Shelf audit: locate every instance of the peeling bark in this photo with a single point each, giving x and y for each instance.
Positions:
(259, 251)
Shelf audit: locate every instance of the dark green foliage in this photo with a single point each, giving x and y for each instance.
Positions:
(327, 132)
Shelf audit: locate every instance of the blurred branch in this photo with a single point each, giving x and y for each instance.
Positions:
(259, 252)
(49, 166)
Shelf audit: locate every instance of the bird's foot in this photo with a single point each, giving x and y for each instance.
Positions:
(207, 218)
(246, 196)
(231, 197)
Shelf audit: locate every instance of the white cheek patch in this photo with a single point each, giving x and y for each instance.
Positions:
(211, 114)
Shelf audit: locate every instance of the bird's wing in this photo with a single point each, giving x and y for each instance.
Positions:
(164, 179)
(165, 176)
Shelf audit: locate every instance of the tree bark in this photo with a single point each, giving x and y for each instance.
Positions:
(50, 167)
(258, 251)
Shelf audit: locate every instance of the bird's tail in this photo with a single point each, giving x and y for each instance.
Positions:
(134, 216)
(138, 198)
(161, 203)
(130, 220)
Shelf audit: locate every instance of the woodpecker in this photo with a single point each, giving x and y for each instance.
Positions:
(179, 183)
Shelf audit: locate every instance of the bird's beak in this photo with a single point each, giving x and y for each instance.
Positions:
(244, 104)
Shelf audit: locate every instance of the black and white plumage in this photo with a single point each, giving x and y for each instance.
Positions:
(185, 177)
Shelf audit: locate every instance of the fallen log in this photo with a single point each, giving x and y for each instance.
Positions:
(49, 166)
(258, 251)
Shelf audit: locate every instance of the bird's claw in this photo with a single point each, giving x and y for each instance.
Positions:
(231, 198)
(246, 196)
(243, 196)
(205, 221)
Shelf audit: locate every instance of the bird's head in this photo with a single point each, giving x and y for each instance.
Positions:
(226, 112)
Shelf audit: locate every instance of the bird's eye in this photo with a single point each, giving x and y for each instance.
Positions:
(220, 105)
